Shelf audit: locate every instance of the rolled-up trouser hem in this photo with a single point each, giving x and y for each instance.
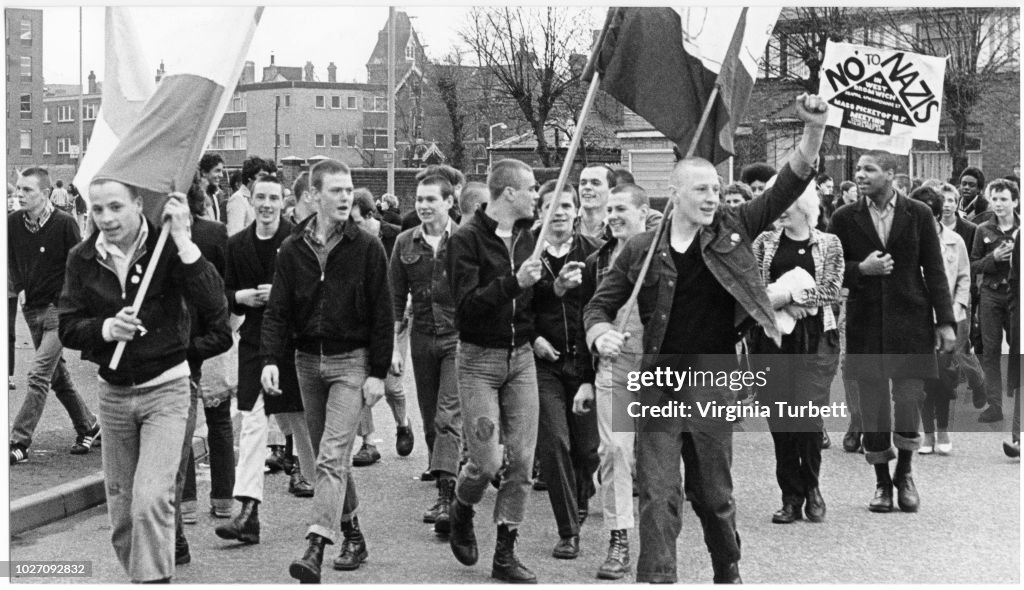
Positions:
(656, 578)
(315, 529)
(879, 457)
(905, 443)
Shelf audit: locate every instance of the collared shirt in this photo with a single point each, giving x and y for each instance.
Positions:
(322, 249)
(121, 261)
(882, 217)
(435, 241)
(560, 250)
(35, 226)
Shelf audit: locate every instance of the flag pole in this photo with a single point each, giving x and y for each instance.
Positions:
(147, 278)
(570, 157)
(664, 221)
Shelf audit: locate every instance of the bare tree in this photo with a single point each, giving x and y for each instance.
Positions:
(983, 47)
(527, 51)
(450, 78)
(801, 36)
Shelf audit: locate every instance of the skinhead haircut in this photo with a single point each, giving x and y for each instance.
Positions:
(42, 175)
(301, 185)
(638, 196)
(324, 168)
(472, 195)
(609, 173)
(505, 173)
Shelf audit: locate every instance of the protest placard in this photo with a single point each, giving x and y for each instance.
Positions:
(882, 98)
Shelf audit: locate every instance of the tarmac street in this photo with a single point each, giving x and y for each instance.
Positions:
(967, 531)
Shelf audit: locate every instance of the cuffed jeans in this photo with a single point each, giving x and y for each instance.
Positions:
(332, 398)
(705, 445)
(143, 431)
(995, 323)
(48, 370)
(566, 444)
(221, 443)
(437, 393)
(881, 431)
(498, 389)
(616, 449)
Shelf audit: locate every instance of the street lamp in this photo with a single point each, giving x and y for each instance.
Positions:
(490, 142)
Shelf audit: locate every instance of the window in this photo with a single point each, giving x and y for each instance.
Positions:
(26, 68)
(26, 142)
(46, 114)
(335, 140)
(229, 138)
(26, 106)
(350, 140)
(63, 145)
(287, 140)
(237, 104)
(335, 102)
(319, 140)
(375, 139)
(351, 103)
(89, 111)
(65, 113)
(46, 146)
(410, 49)
(287, 100)
(319, 102)
(26, 32)
(377, 104)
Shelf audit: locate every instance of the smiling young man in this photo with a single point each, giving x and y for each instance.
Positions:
(595, 185)
(566, 442)
(899, 307)
(628, 206)
(703, 261)
(417, 268)
(990, 258)
(39, 238)
(144, 402)
(330, 300)
(492, 275)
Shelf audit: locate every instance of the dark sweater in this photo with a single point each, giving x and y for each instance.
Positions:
(36, 261)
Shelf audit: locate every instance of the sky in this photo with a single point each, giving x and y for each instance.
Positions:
(343, 34)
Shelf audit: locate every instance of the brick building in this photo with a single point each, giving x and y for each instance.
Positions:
(24, 36)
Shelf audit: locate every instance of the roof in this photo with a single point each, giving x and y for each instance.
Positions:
(403, 29)
(277, 73)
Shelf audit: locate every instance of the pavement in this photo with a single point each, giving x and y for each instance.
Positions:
(967, 532)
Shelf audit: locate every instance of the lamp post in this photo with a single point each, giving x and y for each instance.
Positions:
(490, 143)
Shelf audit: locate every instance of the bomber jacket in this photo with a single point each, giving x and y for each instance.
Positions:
(556, 318)
(416, 269)
(988, 236)
(36, 261)
(491, 309)
(598, 265)
(338, 308)
(725, 245)
(243, 271)
(92, 293)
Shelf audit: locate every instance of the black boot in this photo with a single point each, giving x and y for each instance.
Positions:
(726, 572)
(882, 502)
(307, 569)
(506, 566)
(353, 549)
(616, 565)
(461, 537)
(276, 460)
(182, 555)
(445, 495)
(245, 526)
(907, 497)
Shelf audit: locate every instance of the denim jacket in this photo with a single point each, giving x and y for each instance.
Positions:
(726, 248)
(416, 269)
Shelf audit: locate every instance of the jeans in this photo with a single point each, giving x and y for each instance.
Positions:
(995, 322)
(566, 444)
(969, 364)
(143, 431)
(498, 389)
(437, 393)
(221, 443)
(186, 465)
(877, 410)
(935, 407)
(332, 397)
(705, 445)
(48, 370)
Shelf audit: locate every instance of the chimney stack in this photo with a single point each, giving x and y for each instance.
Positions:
(248, 73)
(332, 72)
(160, 72)
(92, 82)
(308, 72)
(271, 58)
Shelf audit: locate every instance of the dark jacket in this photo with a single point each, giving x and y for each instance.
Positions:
(210, 335)
(994, 274)
(725, 245)
(491, 310)
(966, 230)
(388, 234)
(332, 310)
(559, 319)
(894, 314)
(415, 269)
(598, 265)
(36, 261)
(245, 272)
(92, 293)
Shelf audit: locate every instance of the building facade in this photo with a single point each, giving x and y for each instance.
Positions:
(24, 36)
